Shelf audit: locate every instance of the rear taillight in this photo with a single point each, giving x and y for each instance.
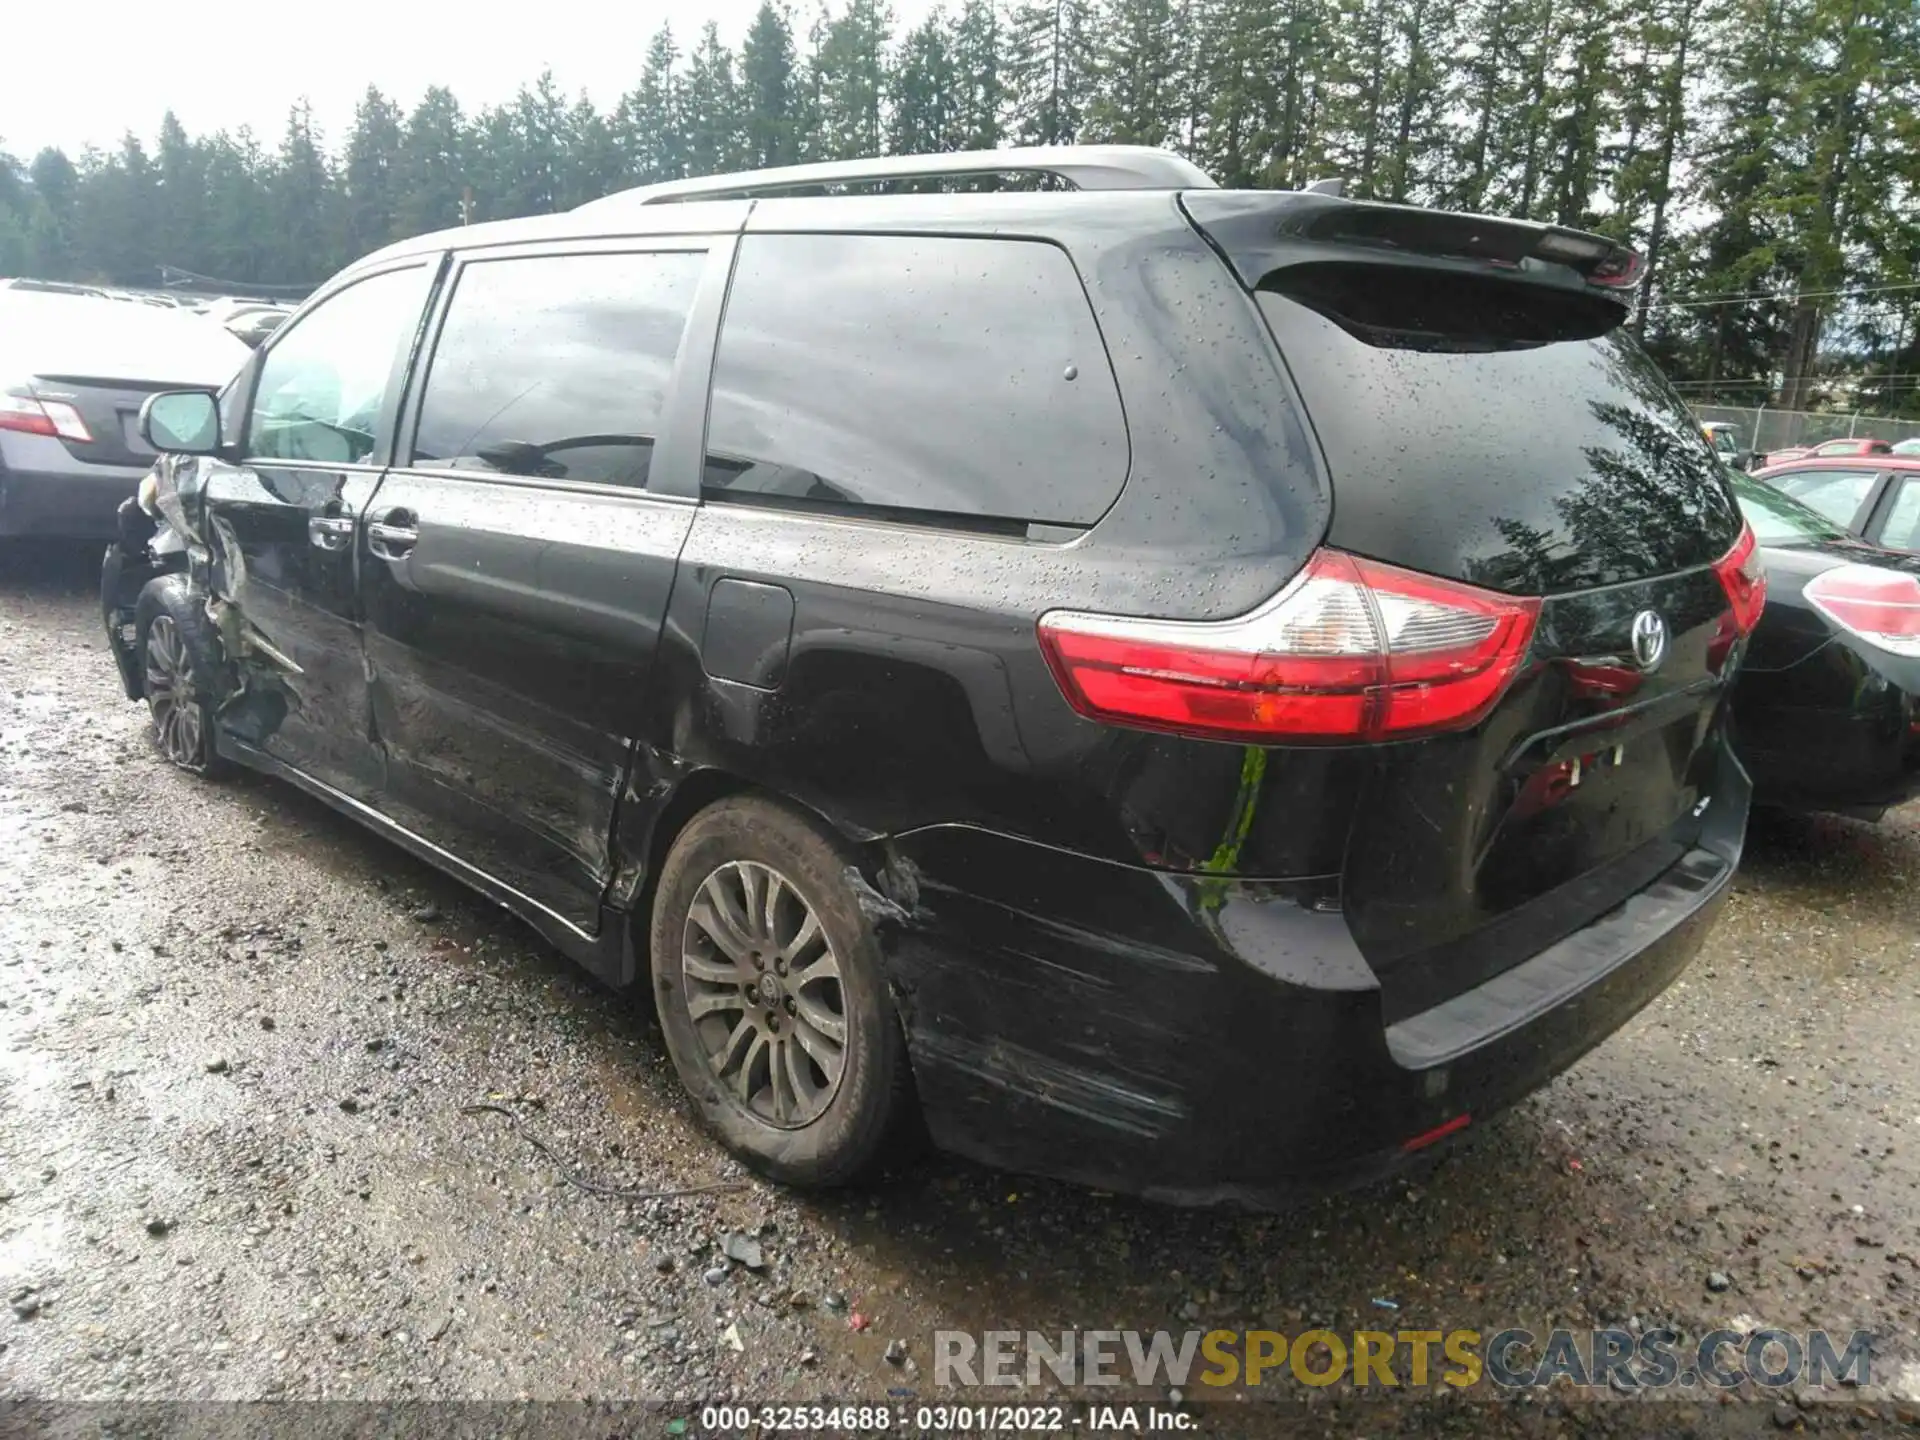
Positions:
(42, 417)
(1880, 606)
(1744, 579)
(1619, 270)
(1351, 650)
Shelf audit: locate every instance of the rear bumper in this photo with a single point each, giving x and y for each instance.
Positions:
(1843, 739)
(45, 491)
(1207, 1042)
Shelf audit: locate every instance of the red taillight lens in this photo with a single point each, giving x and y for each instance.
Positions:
(1351, 650)
(42, 417)
(1880, 606)
(25, 416)
(1744, 579)
(1619, 270)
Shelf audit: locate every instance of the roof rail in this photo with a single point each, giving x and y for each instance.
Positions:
(1084, 167)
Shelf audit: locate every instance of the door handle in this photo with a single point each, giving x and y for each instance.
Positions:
(330, 532)
(393, 536)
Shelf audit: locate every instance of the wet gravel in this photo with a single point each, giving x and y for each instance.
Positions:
(240, 1040)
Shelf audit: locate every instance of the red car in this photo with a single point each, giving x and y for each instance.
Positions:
(1874, 496)
(1826, 449)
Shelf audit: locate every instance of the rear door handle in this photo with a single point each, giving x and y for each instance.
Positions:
(330, 532)
(392, 537)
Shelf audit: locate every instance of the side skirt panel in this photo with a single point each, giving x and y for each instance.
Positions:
(606, 954)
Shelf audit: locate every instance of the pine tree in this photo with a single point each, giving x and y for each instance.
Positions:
(710, 101)
(239, 212)
(180, 184)
(850, 69)
(980, 97)
(648, 125)
(924, 90)
(430, 171)
(304, 246)
(767, 91)
(1133, 100)
(530, 180)
(49, 213)
(369, 177)
(1049, 69)
(591, 164)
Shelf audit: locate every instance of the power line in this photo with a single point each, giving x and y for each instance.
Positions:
(1751, 296)
(1856, 380)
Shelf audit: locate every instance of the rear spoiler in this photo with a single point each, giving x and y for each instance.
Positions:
(1260, 231)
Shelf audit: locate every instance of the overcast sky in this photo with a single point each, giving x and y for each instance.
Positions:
(243, 62)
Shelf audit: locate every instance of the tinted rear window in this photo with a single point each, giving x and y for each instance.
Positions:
(914, 375)
(1499, 434)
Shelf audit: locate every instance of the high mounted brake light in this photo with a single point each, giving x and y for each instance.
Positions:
(1351, 650)
(1620, 270)
(1600, 260)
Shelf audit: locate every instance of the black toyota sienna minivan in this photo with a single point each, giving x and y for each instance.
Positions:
(1199, 693)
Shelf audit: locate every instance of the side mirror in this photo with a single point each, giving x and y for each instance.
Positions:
(181, 422)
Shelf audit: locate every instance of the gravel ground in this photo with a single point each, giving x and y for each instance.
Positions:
(237, 1034)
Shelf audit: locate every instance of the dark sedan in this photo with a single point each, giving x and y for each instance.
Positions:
(1827, 706)
(74, 370)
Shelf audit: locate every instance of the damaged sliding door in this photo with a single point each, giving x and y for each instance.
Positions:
(284, 527)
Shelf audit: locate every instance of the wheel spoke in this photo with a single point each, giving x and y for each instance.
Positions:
(743, 1077)
(803, 939)
(752, 880)
(770, 907)
(826, 1054)
(786, 1104)
(699, 967)
(728, 1054)
(713, 914)
(822, 1019)
(714, 1000)
(798, 1075)
(827, 967)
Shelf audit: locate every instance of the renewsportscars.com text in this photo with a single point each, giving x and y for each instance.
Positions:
(1507, 1359)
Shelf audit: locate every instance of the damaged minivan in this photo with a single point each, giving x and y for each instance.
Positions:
(1207, 694)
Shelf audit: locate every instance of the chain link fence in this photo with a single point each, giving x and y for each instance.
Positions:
(1765, 429)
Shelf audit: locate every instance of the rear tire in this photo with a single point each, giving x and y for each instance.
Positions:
(179, 662)
(772, 996)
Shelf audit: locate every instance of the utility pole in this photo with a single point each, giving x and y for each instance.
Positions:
(466, 205)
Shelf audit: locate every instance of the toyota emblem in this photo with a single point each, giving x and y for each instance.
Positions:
(1649, 640)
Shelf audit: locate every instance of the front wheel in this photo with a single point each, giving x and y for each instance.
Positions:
(178, 659)
(772, 997)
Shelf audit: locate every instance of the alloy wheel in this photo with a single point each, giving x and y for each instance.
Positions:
(763, 989)
(171, 694)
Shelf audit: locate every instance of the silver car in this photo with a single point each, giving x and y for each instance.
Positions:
(74, 371)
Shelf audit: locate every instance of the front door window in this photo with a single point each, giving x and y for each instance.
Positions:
(326, 378)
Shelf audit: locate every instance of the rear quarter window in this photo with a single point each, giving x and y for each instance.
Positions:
(1836, 494)
(914, 376)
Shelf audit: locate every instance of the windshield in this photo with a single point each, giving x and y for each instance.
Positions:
(1779, 519)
